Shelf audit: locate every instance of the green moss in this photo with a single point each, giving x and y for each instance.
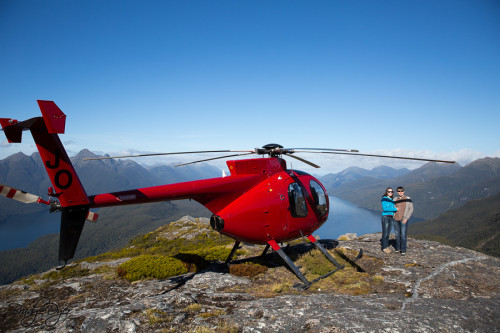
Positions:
(151, 266)
(66, 273)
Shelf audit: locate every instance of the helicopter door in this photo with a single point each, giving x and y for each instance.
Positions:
(297, 199)
(297, 210)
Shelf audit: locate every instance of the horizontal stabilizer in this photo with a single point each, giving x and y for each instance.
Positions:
(13, 133)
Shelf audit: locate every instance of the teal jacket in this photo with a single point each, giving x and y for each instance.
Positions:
(388, 207)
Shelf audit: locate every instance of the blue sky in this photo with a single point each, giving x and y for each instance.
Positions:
(413, 78)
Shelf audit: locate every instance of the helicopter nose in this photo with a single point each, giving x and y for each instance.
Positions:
(216, 222)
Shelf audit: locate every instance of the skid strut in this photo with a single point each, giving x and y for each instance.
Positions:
(289, 262)
(235, 247)
(324, 251)
(306, 284)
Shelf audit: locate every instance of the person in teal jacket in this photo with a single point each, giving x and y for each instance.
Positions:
(388, 210)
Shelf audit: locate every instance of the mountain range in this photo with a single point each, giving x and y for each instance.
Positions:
(434, 188)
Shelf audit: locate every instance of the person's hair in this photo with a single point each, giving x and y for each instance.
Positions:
(387, 194)
(400, 188)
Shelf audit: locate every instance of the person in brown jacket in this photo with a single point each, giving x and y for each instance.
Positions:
(401, 217)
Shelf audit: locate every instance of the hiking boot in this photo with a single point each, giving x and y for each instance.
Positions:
(386, 250)
(403, 253)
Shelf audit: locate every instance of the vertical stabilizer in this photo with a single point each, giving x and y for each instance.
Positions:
(67, 187)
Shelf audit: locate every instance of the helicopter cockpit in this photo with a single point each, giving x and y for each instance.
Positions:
(297, 198)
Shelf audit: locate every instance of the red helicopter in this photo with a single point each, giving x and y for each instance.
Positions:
(260, 202)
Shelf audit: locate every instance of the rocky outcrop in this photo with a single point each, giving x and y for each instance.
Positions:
(433, 288)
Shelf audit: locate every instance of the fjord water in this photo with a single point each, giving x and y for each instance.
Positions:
(345, 217)
(20, 230)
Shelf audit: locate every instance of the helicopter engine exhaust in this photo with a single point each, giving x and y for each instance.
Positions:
(216, 222)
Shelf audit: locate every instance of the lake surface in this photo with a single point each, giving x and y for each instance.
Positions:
(21, 230)
(345, 217)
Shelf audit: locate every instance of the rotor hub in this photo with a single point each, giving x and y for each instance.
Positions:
(271, 149)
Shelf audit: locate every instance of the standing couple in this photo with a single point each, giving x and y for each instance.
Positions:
(395, 212)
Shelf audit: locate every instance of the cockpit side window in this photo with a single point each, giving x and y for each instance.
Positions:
(319, 198)
(298, 206)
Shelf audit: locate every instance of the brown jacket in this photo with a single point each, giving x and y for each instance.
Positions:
(405, 208)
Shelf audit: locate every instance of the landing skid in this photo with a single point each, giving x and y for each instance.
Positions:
(58, 268)
(306, 284)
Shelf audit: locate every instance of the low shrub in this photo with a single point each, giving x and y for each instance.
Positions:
(215, 253)
(151, 266)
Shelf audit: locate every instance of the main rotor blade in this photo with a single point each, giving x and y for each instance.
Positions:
(303, 160)
(386, 156)
(159, 154)
(213, 158)
(299, 150)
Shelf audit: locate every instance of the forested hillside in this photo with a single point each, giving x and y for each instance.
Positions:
(475, 225)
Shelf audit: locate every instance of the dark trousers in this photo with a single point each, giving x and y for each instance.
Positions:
(400, 232)
(387, 222)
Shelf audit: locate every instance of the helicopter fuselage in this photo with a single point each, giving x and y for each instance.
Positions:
(260, 201)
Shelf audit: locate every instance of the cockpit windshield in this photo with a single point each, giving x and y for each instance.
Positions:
(319, 197)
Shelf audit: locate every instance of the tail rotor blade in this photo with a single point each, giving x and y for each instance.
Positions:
(18, 195)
